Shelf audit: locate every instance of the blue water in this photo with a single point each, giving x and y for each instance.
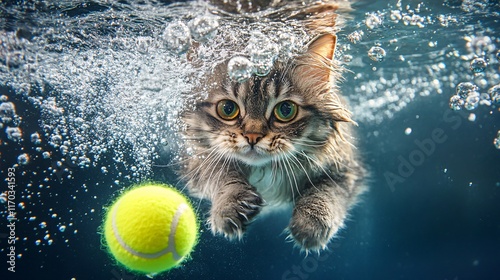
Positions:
(97, 85)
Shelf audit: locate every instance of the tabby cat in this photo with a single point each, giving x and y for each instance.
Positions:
(281, 139)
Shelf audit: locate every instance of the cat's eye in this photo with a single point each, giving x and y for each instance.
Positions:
(285, 111)
(227, 109)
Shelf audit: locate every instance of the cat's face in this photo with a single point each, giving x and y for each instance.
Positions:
(262, 119)
(288, 112)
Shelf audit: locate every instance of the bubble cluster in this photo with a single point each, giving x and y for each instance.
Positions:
(466, 96)
(203, 28)
(35, 138)
(456, 103)
(465, 88)
(177, 37)
(262, 52)
(240, 68)
(143, 44)
(494, 94)
(376, 53)
(355, 36)
(7, 112)
(14, 133)
(479, 45)
(374, 20)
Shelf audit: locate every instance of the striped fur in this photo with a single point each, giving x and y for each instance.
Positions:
(309, 163)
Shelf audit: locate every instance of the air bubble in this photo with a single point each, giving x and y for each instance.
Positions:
(498, 56)
(23, 159)
(3, 197)
(62, 228)
(485, 99)
(456, 103)
(35, 138)
(478, 65)
(7, 112)
(142, 44)
(240, 69)
(43, 225)
(376, 53)
(56, 140)
(203, 28)
(496, 141)
(408, 131)
(472, 100)
(472, 117)
(355, 36)
(494, 93)
(38, 242)
(373, 20)
(14, 133)
(479, 45)
(177, 37)
(396, 15)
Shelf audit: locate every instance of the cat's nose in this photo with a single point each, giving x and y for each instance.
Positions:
(253, 138)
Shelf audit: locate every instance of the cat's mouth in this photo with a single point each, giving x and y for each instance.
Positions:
(254, 156)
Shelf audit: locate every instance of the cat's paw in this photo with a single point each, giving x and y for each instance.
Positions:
(231, 214)
(314, 223)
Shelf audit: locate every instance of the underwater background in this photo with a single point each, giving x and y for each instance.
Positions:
(89, 96)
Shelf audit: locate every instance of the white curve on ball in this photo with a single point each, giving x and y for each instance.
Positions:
(171, 238)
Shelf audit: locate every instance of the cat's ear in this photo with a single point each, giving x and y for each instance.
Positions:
(323, 46)
(317, 63)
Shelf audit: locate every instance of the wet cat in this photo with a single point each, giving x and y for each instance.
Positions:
(284, 138)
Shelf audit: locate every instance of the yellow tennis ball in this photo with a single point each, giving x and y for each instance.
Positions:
(150, 228)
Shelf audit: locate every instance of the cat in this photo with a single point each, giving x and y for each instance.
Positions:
(281, 139)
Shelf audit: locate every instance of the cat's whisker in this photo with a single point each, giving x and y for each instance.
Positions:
(320, 166)
(215, 164)
(287, 163)
(273, 173)
(312, 141)
(227, 162)
(212, 163)
(193, 129)
(295, 159)
(207, 158)
(280, 165)
(314, 145)
(187, 159)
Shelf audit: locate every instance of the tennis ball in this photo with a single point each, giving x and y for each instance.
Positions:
(150, 228)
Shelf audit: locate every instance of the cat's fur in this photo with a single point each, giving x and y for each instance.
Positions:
(256, 161)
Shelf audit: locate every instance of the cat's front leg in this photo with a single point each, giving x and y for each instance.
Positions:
(318, 214)
(233, 208)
